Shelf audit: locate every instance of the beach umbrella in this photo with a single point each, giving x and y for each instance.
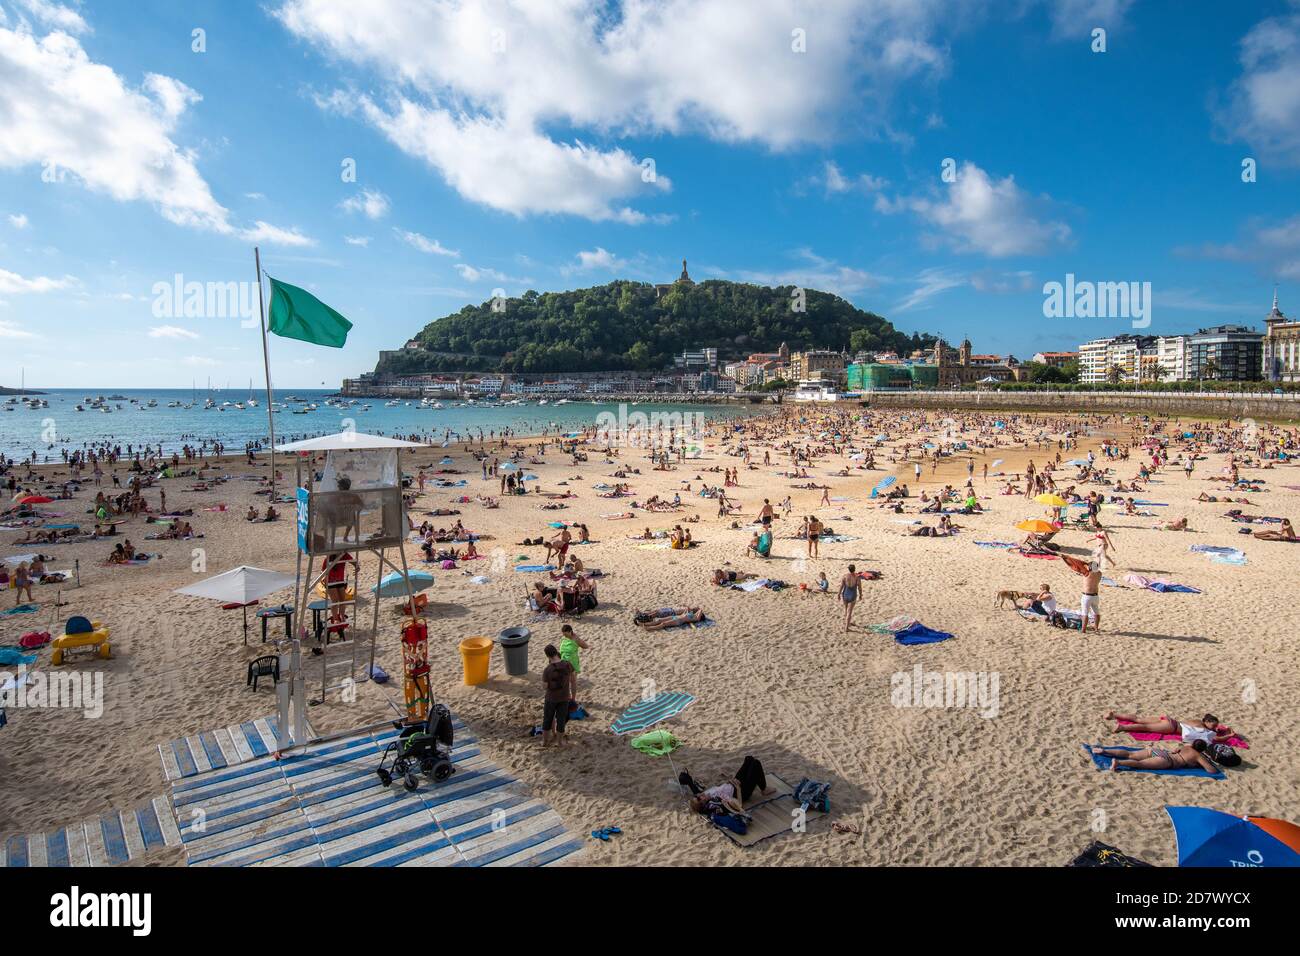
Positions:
(510, 466)
(394, 586)
(1036, 526)
(1047, 498)
(1206, 837)
(240, 587)
(34, 500)
(646, 713)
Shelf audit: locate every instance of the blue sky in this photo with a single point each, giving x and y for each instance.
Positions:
(503, 144)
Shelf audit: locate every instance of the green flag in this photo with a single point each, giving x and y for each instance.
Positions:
(297, 314)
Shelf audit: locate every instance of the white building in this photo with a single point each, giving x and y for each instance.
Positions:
(1093, 361)
(1171, 352)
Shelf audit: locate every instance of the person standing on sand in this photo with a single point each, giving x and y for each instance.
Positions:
(556, 680)
(570, 644)
(814, 533)
(850, 589)
(1090, 603)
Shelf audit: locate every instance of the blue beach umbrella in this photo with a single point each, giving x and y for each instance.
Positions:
(1208, 837)
(393, 586)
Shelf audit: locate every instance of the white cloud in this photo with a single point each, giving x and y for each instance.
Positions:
(80, 121)
(1072, 19)
(254, 196)
(983, 215)
(11, 330)
(357, 240)
(18, 220)
(1272, 246)
(817, 272)
(264, 232)
(54, 15)
(598, 259)
(425, 244)
(474, 85)
(1263, 105)
(200, 361)
(474, 274)
(369, 202)
(171, 332)
(929, 283)
(12, 282)
(834, 181)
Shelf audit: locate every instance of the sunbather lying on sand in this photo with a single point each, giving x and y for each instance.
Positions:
(1286, 533)
(1208, 728)
(668, 617)
(731, 795)
(1157, 758)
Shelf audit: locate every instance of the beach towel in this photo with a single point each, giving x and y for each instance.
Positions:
(20, 609)
(647, 713)
(1233, 741)
(918, 633)
(656, 743)
(1102, 762)
(1162, 587)
(996, 544)
(767, 817)
(11, 657)
(534, 567)
(1097, 853)
(900, 623)
(751, 586)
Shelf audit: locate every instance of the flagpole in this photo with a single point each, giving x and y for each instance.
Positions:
(266, 366)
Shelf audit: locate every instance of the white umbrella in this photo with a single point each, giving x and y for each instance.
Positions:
(242, 586)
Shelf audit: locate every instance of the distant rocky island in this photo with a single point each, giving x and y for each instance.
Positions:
(19, 391)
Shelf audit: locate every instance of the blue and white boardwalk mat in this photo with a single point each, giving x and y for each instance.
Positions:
(217, 749)
(324, 806)
(115, 838)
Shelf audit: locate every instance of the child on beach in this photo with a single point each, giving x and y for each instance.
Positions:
(570, 644)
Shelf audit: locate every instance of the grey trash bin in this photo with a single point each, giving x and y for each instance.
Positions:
(514, 645)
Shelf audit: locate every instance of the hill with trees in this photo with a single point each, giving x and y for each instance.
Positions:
(624, 326)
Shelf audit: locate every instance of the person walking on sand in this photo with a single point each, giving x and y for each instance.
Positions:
(850, 588)
(1090, 603)
(555, 709)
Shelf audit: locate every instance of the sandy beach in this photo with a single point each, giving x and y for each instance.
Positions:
(776, 676)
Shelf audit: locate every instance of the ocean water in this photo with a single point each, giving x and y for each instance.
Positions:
(48, 431)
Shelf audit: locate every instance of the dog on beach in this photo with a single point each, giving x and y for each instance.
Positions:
(1003, 597)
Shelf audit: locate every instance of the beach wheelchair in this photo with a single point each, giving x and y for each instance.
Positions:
(81, 634)
(423, 748)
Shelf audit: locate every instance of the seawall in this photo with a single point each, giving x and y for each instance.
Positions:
(1161, 404)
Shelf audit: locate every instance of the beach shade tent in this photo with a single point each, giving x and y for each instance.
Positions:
(1036, 526)
(884, 483)
(509, 466)
(1206, 837)
(1055, 501)
(34, 500)
(647, 713)
(395, 585)
(240, 586)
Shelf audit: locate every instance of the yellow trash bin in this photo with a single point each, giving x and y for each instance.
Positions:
(475, 652)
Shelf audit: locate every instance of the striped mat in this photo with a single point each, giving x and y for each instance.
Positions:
(646, 713)
(217, 749)
(324, 806)
(115, 838)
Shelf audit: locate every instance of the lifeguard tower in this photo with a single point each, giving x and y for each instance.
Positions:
(352, 505)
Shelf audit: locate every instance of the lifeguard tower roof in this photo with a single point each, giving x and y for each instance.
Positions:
(347, 441)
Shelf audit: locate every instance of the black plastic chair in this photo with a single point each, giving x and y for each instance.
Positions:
(268, 666)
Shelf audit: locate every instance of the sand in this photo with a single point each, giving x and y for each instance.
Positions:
(776, 677)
